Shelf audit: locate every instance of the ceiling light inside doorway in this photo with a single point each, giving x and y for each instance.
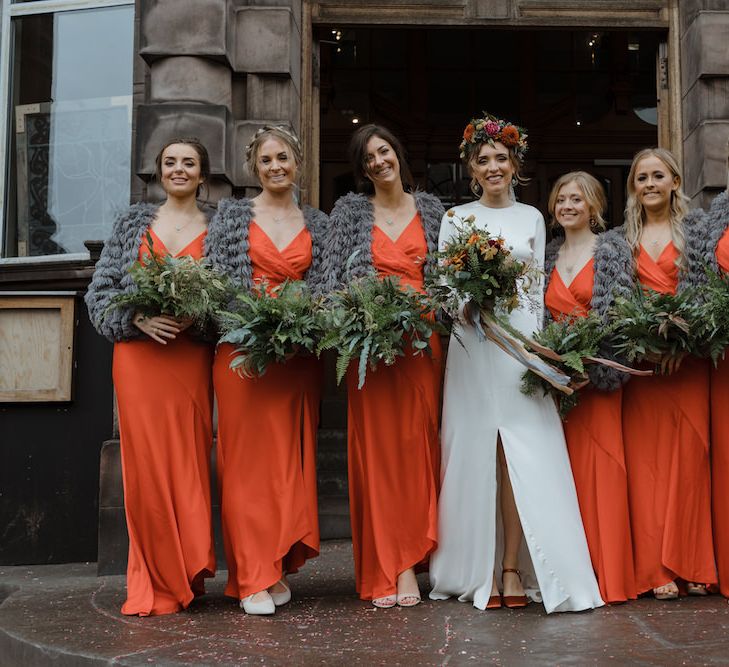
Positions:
(355, 120)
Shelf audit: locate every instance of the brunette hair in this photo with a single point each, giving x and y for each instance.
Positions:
(202, 154)
(635, 213)
(471, 157)
(592, 191)
(279, 132)
(358, 157)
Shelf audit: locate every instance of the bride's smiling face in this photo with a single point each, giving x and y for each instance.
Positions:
(493, 169)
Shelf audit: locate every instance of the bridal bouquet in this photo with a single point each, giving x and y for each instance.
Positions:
(270, 326)
(476, 266)
(179, 286)
(374, 320)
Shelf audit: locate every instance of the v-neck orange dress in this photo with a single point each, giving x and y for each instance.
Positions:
(165, 399)
(393, 443)
(267, 430)
(593, 431)
(666, 436)
(720, 447)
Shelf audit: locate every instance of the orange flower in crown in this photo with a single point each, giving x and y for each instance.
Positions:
(490, 129)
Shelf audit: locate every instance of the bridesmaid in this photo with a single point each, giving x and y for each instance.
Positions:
(582, 275)
(162, 378)
(666, 417)
(267, 426)
(714, 250)
(393, 420)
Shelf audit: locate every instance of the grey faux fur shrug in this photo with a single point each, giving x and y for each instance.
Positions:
(111, 276)
(226, 244)
(614, 276)
(350, 230)
(712, 224)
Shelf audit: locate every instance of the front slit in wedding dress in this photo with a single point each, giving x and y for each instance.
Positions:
(482, 400)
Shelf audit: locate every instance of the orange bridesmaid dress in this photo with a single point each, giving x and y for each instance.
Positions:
(393, 443)
(267, 446)
(164, 396)
(595, 445)
(720, 447)
(666, 435)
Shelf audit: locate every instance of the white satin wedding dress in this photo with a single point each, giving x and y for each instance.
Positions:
(482, 400)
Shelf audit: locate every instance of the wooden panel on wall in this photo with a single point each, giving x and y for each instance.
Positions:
(36, 347)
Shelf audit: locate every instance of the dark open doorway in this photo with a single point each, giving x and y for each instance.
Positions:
(588, 100)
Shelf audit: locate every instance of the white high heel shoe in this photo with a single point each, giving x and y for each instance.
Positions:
(260, 607)
(281, 598)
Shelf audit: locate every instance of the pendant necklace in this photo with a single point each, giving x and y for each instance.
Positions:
(179, 228)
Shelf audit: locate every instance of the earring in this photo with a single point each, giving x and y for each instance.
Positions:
(514, 182)
(475, 187)
(593, 224)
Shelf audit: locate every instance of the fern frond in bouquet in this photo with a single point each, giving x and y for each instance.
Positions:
(574, 341)
(179, 286)
(476, 266)
(711, 327)
(373, 320)
(270, 325)
(650, 326)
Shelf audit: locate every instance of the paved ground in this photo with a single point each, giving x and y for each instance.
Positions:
(64, 615)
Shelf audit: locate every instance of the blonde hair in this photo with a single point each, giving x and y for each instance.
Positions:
(635, 213)
(592, 191)
(272, 132)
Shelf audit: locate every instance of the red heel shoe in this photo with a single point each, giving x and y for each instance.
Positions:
(494, 602)
(514, 601)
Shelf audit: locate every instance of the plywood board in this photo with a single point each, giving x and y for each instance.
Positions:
(36, 348)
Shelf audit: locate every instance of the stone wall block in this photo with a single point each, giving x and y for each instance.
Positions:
(489, 9)
(273, 97)
(243, 133)
(183, 27)
(294, 5)
(704, 48)
(157, 123)
(704, 157)
(708, 99)
(690, 9)
(191, 79)
(268, 41)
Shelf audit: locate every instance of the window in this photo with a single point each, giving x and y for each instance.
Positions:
(68, 108)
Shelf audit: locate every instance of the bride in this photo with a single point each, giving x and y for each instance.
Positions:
(540, 542)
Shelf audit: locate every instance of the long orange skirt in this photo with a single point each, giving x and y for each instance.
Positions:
(666, 436)
(164, 395)
(595, 445)
(394, 457)
(267, 469)
(720, 470)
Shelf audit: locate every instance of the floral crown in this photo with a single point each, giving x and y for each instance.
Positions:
(490, 129)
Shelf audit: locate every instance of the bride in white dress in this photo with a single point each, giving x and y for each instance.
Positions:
(539, 548)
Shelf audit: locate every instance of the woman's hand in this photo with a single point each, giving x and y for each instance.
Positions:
(160, 328)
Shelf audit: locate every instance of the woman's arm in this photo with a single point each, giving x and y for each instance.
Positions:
(107, 282)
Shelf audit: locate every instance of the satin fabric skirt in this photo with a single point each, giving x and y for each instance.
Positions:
(393, 451)
(593, 430)
(720, 470)
(164, 395)
(666, 437)
(267, 430)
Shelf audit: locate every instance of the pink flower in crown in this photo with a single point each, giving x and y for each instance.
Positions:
(492, 128)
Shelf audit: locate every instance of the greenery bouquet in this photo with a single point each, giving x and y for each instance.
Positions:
(270, 326)
(179, 286)
(375, 321)
(650, 326)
